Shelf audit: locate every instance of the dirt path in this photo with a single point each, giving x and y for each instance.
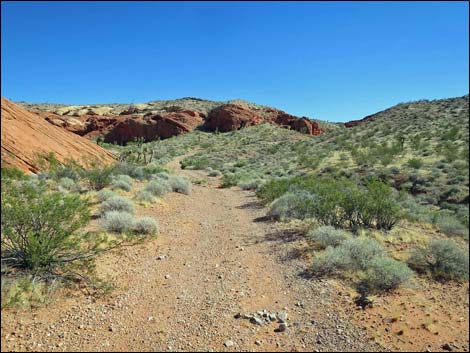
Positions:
(221, 257)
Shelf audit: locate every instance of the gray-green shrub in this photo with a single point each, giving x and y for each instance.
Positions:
(105, 194)
(158, 187)
(117, 203)
(145, 226)
(383, 274)
(326, 236)
(117, 221)
(144, 196)
(180, 184)
(442, 258)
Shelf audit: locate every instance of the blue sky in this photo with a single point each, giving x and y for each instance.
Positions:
(335, 61)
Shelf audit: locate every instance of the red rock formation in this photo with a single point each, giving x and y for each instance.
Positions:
(125, 128)
(25, 135)
(230, 117)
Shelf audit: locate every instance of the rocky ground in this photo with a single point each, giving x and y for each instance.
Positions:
(219, 277)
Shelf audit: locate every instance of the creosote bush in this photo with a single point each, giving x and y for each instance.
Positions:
(39, 227)
(340, 203)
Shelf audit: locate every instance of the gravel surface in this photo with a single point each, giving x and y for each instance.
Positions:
(216, 266)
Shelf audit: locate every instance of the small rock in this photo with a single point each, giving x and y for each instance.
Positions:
(282, 327)
(282, 316)
(167, 276)
(228, 343)
(447, 347)
(256, 321)
(258, 343)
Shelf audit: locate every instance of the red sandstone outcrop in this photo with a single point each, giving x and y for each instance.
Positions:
(26, 135)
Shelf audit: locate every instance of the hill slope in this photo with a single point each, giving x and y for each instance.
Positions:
(420, 148)
(25, 135)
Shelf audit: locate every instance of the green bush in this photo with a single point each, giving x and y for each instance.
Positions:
(98, 178)
(299, 205)
(326, 236)
(415, 163)
(145, 226)
(117, 221)
(340, 203)
(39, 227)
(442, 258)
(117, 203)
(12, 173)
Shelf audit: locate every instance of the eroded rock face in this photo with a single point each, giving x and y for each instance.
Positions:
(25, 135)
(131, 124)
(230, 117)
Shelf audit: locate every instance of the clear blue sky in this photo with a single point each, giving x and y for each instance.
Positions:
(329, 60)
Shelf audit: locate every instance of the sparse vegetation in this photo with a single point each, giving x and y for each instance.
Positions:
(443, 259)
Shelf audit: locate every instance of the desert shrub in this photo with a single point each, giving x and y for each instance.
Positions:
(104, 194)
(70, 169)
(38, 227)
(98, 178)
(215, 173)
(69, 184)
(326, 236)
(25, 291)
(144, 196)
(299, 205)
(274, 189)
(145, 226)
(180, 184)
(12, 173)
(442, 258)
(158, 187)
(152, 169)
(359, 252)
(383, 274)
(450, 225)
(415, 163)
(330, 261)
(132, 170)
(340, 203)
(122, 182)
(117, 221)
(162, 175)
(249, 185)
(117, 203)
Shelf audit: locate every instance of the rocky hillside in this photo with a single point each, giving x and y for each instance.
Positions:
(121, 123)
(25, 136)
(453, 108)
